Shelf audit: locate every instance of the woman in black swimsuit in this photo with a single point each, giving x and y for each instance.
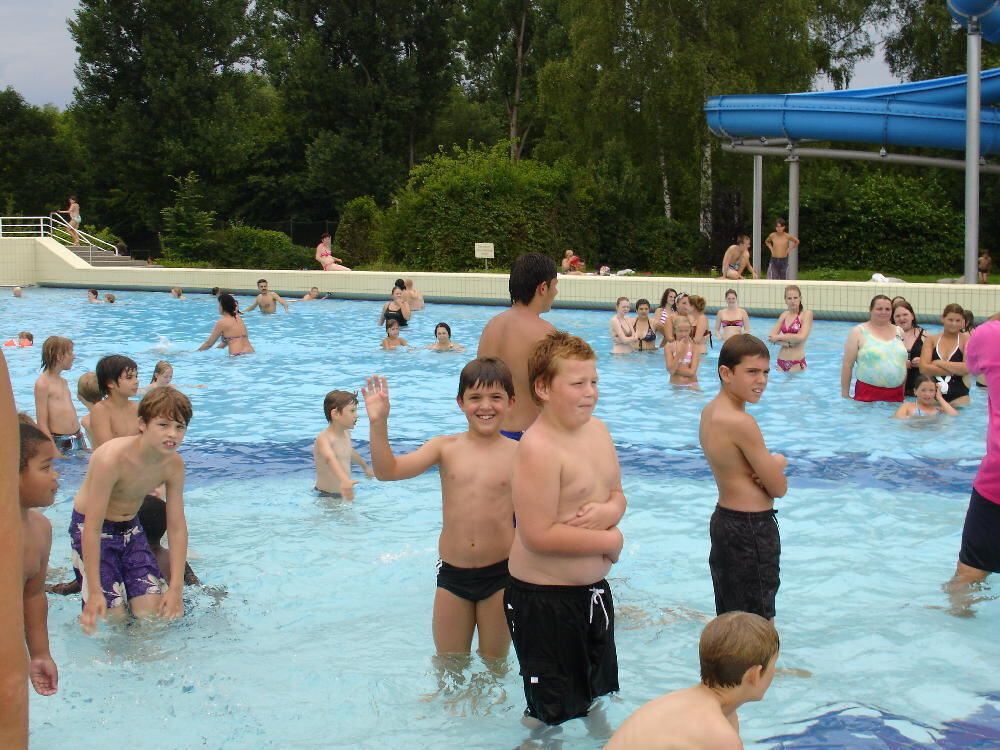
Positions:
(913, 339)
(396, 308)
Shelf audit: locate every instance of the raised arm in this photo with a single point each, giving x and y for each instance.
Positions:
(404, 307)
(172, 605)
(387, 465)
(42, 669)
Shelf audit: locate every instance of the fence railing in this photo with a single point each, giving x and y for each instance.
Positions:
(56, 227)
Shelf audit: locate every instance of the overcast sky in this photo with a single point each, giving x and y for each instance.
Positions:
(37, 54)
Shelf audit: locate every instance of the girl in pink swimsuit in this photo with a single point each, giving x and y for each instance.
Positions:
(791, 331)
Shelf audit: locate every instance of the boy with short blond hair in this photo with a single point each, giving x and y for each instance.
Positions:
(54, 411)
(477, 531)
(738, 652)
(332, 449)
(745, 541)
(111, 556)
(88, 393)
(115, 415)
(568, 498)
(38, 481)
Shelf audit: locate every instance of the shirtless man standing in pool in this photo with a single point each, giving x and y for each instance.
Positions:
(511, 335)
(266, 300)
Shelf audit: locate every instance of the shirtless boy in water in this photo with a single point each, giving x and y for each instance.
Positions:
(511, 335)
(332, 449)
(745, 541)
(115, 415)
(781, 244)
(266, 300)
(568, 499)
(54, 410)
(476, 533)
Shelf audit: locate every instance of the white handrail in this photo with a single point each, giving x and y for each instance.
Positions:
(54, 226)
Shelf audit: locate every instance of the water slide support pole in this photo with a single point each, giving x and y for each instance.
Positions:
(758, 201)
(793, 210)
(972, 135)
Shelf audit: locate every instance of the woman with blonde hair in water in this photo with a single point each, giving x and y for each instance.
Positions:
(791, 331)
(621, 330)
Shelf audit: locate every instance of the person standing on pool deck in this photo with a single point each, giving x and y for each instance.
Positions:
(476, 508)
(111, 555)
(512, 334)
(980, 552)
(266, 300)
(333, 450)
(744, 530)
(781, 244)
(568, 500)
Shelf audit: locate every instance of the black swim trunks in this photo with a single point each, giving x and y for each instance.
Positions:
(564, 637)
(981, 535)
(744, 560)
(778, 269)
(473, 584)
(325, 493)
(66, 443)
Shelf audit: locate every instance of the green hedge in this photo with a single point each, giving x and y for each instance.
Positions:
(358, 239)
(239, 246)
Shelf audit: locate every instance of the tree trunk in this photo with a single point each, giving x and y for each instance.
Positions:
(705, 220)
(515, 100)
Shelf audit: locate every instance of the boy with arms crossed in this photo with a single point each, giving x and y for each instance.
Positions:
(738, 652)
(744, 531)
(568, 500)
(115, 416)
(54, 410)
(332, 449)
(476, 534)
(37, 484)
(111, 555)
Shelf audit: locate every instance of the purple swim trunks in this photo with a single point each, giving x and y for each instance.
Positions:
(128, 565)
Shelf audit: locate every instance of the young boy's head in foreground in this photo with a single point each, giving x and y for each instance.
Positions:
(165, 403)
(38, 479)
(545, 357)
(744, 363)
(337, 405)
(739, 649)
(55, 349)
(117, 371)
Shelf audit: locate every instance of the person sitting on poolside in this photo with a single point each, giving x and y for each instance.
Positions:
(324, 255)
(572, 264)
(442, 332)
(736, 261)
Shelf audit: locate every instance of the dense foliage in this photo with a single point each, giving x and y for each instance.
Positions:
(422, 126)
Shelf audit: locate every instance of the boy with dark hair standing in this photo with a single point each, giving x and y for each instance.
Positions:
(476, 533)
(54, 410)
(511, 335)
(568, 498)
(745, 541)
(115, 415)
(332, 449)
(781, 244)
(111, 555)
(738, 652)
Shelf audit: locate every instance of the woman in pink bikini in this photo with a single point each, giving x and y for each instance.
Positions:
(324, 255)
(791, 331)
(731, 319)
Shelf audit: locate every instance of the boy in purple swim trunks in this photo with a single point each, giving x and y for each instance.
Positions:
(477, 531)
(111, 555)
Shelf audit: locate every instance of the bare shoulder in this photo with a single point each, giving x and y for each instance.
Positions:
(39, 527)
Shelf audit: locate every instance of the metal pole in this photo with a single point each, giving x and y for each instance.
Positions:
(793, 212)
(758, 202)
(972, 112)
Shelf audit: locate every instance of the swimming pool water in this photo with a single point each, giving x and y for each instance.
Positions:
(322, 635)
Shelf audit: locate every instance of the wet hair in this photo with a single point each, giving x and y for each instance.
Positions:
(27, 335)
(110, 298)
(953, 309)
(640, 302)
(737, 347)
(445, 326)
(32, 438)
(161, 367)
(88, 389)
(216, 291)
(400, 284)
(391, 322)
(906, 306)
(970, 320)
(801, 306)
(165, 402)
(54, 348)
(337, 400)
(666, 295)
(732, 292)
(698, 303)
(177, 290)
(923, 378)
(486, 371)
(527, 272)
(229, 304)
(733, 643)
(543, 361)
(153, 517)
(94, 292)
(875, 299)
(111, 368)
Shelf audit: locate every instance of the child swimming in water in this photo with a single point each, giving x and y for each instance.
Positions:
(682, 355)
(163, 376)
(442, 332)
(392, 339)
(930, 401)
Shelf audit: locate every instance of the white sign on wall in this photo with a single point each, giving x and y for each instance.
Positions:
(484, 249)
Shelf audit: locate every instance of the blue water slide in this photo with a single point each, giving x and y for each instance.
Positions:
(928, 113)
